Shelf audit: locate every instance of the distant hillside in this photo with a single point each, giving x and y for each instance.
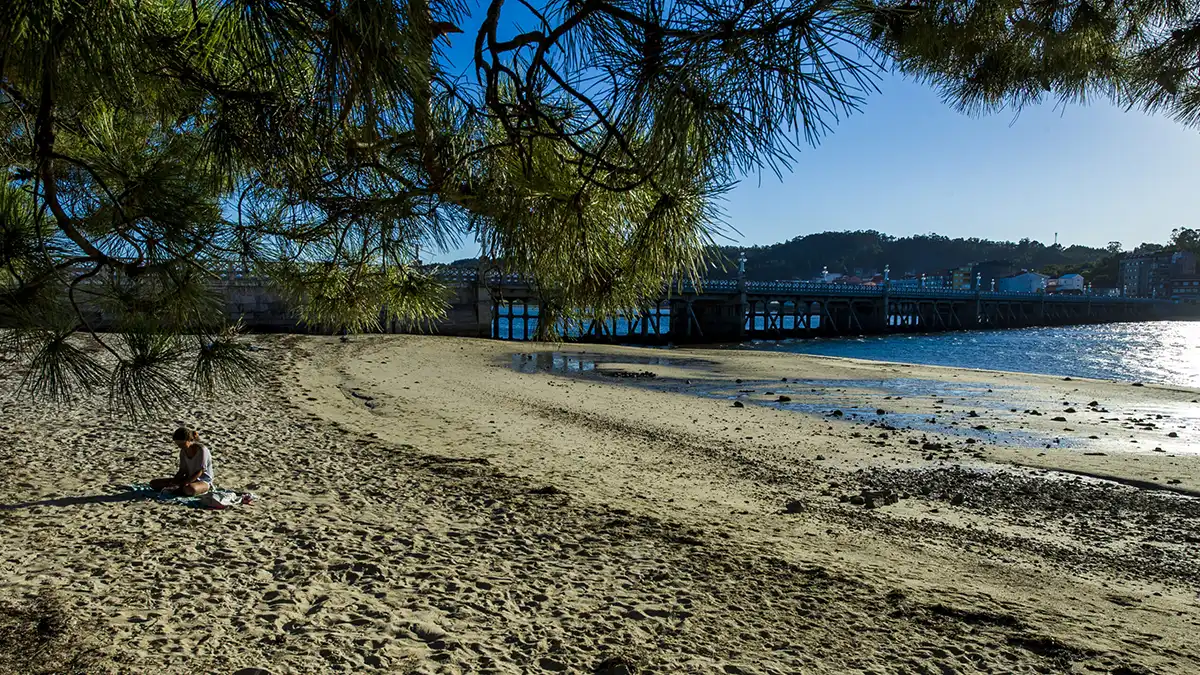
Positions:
(865, 252)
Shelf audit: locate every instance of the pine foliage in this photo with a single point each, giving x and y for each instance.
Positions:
(321, 144)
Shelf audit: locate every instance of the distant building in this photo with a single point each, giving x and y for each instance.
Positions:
(1025, 282)
(1149, 276)
(1185, 289)
(1069, 283)
(962, 278)
(940, 279)
(993, 270)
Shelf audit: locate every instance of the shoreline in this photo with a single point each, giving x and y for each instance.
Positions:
(445, 512)
(1029, 392)
(1018, 346)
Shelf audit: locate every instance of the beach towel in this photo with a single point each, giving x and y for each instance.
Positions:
(213, 499)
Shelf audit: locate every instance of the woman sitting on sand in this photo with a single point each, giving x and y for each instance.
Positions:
(195, 475)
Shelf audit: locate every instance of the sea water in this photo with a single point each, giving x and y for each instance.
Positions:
(1154, 352)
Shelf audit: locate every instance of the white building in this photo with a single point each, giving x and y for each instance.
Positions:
(1025, 282)
(1070, 283)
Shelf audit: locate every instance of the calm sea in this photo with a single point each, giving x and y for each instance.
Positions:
(1159, 352)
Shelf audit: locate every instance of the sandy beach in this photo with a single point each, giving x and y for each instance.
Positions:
(436, 505)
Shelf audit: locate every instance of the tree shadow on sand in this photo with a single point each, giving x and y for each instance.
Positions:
(130, 496)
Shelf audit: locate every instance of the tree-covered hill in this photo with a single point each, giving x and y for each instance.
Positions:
(867, 251)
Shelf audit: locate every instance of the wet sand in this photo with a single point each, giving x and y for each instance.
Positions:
(435, 505)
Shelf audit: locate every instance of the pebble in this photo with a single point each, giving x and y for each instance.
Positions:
(739, 404)
(877, 498)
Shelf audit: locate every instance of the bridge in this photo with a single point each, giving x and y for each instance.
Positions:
(494, 305)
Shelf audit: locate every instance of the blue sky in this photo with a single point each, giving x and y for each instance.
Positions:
(909, 164)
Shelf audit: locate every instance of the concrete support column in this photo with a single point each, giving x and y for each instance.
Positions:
(975, 320)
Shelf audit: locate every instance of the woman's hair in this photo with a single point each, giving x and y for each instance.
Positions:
(186, 434)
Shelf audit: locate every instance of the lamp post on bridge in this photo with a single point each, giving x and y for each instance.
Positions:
(741, 285)
(887, 289)
(886, 320)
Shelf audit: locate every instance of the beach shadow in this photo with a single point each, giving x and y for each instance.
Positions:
(132, 495)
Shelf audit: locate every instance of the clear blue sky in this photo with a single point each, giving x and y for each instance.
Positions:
(909, 164)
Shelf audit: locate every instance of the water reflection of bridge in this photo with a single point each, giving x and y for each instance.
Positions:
(507, 307)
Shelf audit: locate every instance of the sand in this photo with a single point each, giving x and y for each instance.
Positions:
(425, 507)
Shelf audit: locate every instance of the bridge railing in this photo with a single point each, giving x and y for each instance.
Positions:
(236, 274)
(810, 287)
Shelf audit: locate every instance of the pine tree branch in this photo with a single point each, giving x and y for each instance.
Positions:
(44, 145)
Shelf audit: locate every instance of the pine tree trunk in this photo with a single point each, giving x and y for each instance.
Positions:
(421, 23)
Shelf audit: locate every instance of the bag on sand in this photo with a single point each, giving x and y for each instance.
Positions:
(223, 499)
